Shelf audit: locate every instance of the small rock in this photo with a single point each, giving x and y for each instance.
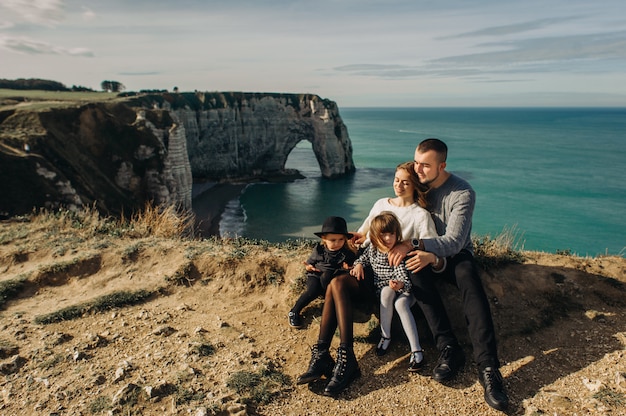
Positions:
(201, 411)
(120, 373)
(96, 341)
(20, 334)
(164, 318)
(13, 365)
(620, 380)
(149, 391)
(8, 350)
(124, 394)
(164, 330)
(237, 409)
(98, 380)
(43, 381)
(592, 385)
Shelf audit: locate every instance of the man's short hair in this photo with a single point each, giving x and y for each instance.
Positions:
(436, 145)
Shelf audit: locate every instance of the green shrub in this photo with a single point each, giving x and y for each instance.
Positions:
(11, 288)
(103, 303)
(260, 387)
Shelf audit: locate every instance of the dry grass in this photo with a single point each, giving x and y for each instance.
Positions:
(152, 221)
(502, 249)
(161, 222)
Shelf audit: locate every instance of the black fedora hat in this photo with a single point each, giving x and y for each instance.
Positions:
(334, 225)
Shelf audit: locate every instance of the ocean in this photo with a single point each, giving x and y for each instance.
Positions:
(554, 178)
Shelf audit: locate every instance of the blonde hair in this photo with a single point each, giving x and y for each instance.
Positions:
(385, 222)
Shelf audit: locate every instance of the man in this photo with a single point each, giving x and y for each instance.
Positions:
(451, 202)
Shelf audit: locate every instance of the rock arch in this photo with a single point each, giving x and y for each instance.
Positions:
(253, 136)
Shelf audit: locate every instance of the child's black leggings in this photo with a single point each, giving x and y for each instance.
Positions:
(313, 290)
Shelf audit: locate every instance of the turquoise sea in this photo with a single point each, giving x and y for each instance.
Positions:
(554, 177)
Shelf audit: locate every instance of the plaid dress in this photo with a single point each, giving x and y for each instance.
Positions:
(383, 271)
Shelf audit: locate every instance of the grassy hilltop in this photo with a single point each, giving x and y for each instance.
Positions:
(103, 316)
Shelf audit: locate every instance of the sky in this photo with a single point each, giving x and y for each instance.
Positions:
(358, 53)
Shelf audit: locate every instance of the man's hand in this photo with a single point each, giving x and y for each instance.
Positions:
(398, 253)
(419, 260)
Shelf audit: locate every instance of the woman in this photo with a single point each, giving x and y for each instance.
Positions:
(344, 289)
(408, 205)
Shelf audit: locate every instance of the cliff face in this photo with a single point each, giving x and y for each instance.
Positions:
(119, 156)
(98, 154)
(249, 135)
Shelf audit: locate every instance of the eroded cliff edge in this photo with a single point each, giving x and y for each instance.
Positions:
(121, 154)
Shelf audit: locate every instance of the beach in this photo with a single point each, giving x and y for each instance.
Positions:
(209, 201)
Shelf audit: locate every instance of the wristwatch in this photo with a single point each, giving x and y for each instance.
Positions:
(417, 244)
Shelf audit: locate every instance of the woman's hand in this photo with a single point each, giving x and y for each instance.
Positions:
(419, 260)
(357, 271)
(398, 253)
(357, 238)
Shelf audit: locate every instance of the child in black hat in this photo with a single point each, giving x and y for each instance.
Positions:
(329, 256)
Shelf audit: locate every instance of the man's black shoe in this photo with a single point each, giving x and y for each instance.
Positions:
(450, 361)
(495, 396)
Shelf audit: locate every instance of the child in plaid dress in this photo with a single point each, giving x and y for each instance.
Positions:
(393, 284)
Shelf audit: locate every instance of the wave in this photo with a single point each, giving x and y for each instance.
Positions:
(233, 220)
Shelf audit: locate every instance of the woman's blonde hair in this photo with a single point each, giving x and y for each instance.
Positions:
(385, 222)
(419, 190)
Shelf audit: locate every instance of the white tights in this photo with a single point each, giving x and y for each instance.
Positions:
(402, 302)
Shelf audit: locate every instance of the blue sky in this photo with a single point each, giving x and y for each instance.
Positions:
(355, 52)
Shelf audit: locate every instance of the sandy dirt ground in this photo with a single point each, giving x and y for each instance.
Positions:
(217, 313)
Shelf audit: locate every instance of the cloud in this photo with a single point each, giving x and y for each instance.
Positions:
(42, 12)
(88, 14)
(510, 29)
(595, 53)
(367, 67)
(139, 73)
(606, 46)
(31, 47)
